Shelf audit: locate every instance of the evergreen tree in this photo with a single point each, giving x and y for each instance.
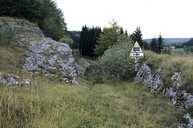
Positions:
(153, 45)
(160, 44)
(88, 41)
(136, 36)
(146, 45)
(108, 38)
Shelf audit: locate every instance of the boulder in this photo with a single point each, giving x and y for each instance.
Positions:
(189, 121)
(150, 79)
(51, 58)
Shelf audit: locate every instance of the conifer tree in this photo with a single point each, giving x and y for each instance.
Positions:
(88, 41)
(153, 45)
(160, 44)
(136, 36)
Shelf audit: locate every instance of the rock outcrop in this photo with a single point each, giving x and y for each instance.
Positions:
(51, 58)
(13, 80)
(42, 54)
(180, 98)
(23, 30)
(150, 79)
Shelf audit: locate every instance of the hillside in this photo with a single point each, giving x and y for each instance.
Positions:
(49, 102)
(172, 41)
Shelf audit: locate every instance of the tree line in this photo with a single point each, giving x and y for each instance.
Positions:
(156, 45)
(94, 41)
(88, 40)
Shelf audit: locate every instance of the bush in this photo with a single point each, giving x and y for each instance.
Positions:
(115, 63)
(66, 39)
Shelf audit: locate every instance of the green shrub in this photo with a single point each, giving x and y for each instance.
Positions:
(115, 63)
(66, 39)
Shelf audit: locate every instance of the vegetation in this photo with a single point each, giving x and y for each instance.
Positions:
(7, 36)
(116, 61)
(99, 104)
(108, 38)
(136, 36)
(156, 45)
(88, 41)
(10, 59)
(171, 64)
(68, 40)
(47, 104)
(43, 12)
(50, 104)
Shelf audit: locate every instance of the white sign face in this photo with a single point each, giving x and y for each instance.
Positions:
(136, 51)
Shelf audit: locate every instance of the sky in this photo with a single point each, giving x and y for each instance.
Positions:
(171, 18)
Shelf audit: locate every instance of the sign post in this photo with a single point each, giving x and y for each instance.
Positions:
(136, 54)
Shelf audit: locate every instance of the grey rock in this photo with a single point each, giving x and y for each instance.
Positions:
(51, 57)
(24, 31)
(189, 121)
(188, 100)
(171, 94)
(176, 80)
(13, 80)
(151, 80)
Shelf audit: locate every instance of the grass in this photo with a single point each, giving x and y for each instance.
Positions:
(173, 63)
(10, 58)
(49, 104)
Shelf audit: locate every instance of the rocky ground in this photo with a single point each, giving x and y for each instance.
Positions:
(182, 100)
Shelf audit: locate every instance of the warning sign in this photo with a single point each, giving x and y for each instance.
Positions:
(136, 51)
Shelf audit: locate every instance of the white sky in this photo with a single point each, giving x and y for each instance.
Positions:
(171, 18)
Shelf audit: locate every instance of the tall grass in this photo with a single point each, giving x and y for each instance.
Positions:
(50, 104)
(173, 63)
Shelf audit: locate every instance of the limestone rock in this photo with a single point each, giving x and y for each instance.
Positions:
(150, 79)
(13, 80)
(189, 121)
(43, 55)
(24, 31)
(176, 80)
(52, 58)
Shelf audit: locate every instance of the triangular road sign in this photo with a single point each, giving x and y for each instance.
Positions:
(136, 51)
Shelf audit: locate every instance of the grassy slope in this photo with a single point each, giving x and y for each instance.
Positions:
(49, 104)
(10, 58)
(113, 105)
(173, 63)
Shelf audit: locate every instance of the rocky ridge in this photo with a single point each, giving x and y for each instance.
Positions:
(43, 55)
(180, 98)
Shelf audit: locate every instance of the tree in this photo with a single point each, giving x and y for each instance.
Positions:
(160, 44)
(108, 38)
(43, 12)
(153, 45)
(88, 40)
(136, 36)
(146, 45)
